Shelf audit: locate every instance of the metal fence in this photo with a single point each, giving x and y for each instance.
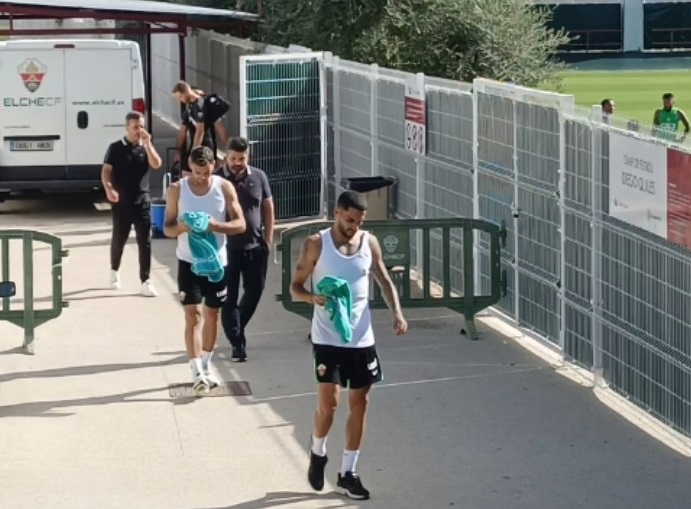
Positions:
(613, 297)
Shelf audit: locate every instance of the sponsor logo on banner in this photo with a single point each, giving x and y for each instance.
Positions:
(638, 183)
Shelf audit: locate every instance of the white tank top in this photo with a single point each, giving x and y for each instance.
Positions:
(214, 204)
(355, 270)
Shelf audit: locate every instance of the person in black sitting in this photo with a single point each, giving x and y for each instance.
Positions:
(125, 178)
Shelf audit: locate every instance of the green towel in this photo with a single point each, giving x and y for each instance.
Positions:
(339, 305)
(203, 246)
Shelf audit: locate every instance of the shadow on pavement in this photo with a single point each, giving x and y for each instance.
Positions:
(282, 498)
(48, 408)
(460, 423)
(85, 370)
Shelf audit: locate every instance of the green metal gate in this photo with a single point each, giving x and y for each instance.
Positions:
(282, 114)
(29, 318)
(410, 262)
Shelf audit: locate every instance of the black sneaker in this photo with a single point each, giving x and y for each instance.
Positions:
(351, 486)
(239, 354)
(315, 474)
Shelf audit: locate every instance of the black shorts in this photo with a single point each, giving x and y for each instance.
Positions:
(349, 367)
(196, 289)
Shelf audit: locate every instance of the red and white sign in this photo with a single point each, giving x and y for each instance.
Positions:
(650, 187)
(415, 137)
(679, 198)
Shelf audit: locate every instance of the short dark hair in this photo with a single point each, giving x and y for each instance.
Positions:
(202, 156)
(668, 95)
(605, 102)
(351, 200)
(238, 144)
(133, 115)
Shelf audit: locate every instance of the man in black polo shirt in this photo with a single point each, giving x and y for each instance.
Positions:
(125, 178)
(248, 254)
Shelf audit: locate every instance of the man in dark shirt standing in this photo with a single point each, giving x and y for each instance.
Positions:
(125, 178)
(248, 254)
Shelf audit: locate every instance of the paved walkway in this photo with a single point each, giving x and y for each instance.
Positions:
(89, 422)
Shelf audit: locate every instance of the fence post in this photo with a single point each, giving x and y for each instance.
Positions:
(516, 211)
(476, 187)
(420, 192)
(242, 96)
(596, 245)
(324, 134)
(336, 98)
(562, 228)
(374, 118)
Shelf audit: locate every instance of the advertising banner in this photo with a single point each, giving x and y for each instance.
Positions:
(679, 198)
(638, 183)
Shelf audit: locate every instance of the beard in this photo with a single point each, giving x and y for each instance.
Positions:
(346, 232)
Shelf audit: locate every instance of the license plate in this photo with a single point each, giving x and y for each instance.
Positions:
(31, 145)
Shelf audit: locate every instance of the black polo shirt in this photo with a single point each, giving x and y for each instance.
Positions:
(191, 126)
(130, 171)
(252, 189)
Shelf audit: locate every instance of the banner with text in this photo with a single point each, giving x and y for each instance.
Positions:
(679, 198)
(638, 183)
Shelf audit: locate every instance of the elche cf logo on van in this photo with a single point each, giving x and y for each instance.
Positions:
(32, 72)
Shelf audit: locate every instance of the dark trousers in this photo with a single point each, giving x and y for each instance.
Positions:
(251, 265)
(126, 215)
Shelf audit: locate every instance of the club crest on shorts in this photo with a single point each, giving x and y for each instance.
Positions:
(321, 369)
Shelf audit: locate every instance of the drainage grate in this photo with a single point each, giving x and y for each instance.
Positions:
(224, 389)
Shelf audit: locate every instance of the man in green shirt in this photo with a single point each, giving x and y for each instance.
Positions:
(666, 120)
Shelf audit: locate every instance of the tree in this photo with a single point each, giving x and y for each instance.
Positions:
(507, 40)
(329, 25)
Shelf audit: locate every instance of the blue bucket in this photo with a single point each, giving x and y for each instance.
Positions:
(158, 217)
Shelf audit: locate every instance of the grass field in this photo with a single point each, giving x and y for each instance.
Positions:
(636, 94)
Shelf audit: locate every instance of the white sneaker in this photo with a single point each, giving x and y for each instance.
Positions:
(201, 385)
(148, 289)
(211, 378)
(114, 279)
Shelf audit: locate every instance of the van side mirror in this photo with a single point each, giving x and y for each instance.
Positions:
(7, 289)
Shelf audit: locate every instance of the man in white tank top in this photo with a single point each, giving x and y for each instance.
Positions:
(344, 251)
(213, 195)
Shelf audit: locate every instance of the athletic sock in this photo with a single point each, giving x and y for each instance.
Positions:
(349, 462)
(206, 359)
(319, 446)
(196, 366)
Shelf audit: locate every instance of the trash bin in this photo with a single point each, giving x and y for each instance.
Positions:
(158, 217)
(378, 193)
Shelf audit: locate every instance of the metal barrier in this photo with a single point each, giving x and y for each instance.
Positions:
(29, 318)
(407, 247)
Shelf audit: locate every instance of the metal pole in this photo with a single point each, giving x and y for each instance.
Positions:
(29, 321)
(181, 54)
(148, 85)
(181, 60)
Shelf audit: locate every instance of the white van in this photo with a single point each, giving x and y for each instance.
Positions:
(62, 102)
